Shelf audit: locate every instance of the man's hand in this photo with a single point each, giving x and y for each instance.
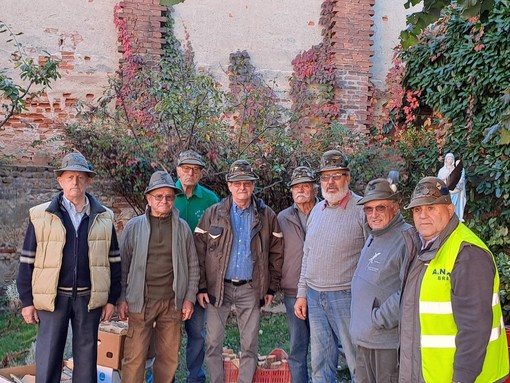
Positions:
(30, 315)
(122, 310)
(187, 310)
(268, 299)
(107, 313)
(300, 308)
(203, 299)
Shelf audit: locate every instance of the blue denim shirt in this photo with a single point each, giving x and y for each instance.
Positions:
(240, 264)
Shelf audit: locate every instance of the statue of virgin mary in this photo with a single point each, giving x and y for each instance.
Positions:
(458, 195)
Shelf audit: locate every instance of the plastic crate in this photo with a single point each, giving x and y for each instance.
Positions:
(262, 375)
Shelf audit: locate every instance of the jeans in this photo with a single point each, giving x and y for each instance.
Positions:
(195, 348)
(329, 313)
(299, 334)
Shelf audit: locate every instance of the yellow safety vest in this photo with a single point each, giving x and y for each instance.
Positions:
(438, 328)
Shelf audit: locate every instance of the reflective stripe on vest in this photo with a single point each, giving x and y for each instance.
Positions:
(438, 328)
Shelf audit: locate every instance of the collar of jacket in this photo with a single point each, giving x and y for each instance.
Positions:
(257, 203)
(173, 213)
(54, 206)
(430, 253)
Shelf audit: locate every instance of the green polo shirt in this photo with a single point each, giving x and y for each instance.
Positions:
(191, 209)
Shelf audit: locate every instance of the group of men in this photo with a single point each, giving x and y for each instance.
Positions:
(403, 304)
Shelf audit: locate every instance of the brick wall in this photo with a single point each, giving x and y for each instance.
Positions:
(351, 41)
(35, 137)
(143, 22)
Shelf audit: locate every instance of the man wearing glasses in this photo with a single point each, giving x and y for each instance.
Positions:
(191, 205)
(376, 286)
(240, 250)
(334, 239)
(159, 282)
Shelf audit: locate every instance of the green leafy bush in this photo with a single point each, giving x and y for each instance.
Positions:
(457, 74)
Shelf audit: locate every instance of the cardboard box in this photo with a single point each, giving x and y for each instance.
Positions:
(107, 375)
(20, 372)
(104, 374)
(110, 349)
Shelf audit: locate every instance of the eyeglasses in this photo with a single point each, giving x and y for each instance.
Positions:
(161, 197)
(189, 169)
(370, 209)
(242, 184)
(334, 177)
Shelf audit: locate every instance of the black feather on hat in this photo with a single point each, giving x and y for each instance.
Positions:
(453, 179)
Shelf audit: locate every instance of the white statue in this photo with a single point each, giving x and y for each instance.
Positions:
(458, 195)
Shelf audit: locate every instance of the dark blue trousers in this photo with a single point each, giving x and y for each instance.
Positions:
(51, 340)
(195, 347)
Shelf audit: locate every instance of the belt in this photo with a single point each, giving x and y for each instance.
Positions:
(237, 282)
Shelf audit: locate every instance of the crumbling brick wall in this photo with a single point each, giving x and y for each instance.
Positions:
(351, 44)
(141, 27)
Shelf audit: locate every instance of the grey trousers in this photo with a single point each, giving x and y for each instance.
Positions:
(376, 365)
(247, 306)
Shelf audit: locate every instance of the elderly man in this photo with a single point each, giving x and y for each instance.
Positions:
(334, 239)
(451, 328)
(240, 250)
(69, 271)
(293, 224)
(376, 286)
(159, 282)
(192, 205)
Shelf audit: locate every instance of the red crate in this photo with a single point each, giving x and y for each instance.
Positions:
(262, 375)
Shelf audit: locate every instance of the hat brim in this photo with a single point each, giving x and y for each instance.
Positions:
(191, 162)
(302, 180)
(424, 201)
(378, 197)
(90, 173)
(175, 188)
(244, 177)
(329, 168)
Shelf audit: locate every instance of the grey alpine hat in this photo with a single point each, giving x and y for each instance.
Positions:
(333, 160)
(302, 174)
(241, 170)
(190, 157)
(378, 189)
(75, 162)
(430, 191)
(161, 179)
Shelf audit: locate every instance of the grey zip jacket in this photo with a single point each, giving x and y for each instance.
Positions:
(376, 287)
(134, 244)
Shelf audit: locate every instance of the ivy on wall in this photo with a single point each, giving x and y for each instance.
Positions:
(313, 82)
